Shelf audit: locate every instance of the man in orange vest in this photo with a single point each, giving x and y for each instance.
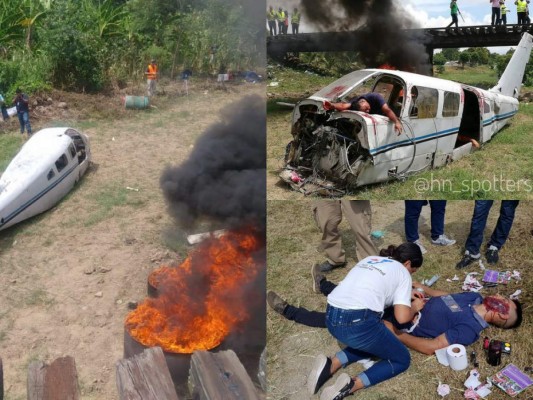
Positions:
(151, 76)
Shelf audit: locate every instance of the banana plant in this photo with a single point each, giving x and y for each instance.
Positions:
(110, 19)
(32, 11)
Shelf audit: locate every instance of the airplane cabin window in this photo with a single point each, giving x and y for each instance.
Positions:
(51, 174)
(61, 162)
(486, 107)
(424, 103)
(451, 104)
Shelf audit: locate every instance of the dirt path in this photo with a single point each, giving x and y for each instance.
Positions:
(66, 276)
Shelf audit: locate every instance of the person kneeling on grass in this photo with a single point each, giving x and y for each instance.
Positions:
(446, 318)
(353, 317)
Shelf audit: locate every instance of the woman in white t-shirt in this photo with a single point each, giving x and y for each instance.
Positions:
(353, 317)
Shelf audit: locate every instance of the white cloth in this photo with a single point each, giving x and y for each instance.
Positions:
(374, 283)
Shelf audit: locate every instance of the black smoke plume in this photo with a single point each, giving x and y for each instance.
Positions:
(381, 25)
(224, 178)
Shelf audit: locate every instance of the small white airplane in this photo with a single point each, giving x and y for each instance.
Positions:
(46, 168)
(333, 152)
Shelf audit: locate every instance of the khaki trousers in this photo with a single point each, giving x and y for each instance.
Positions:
(328, 216)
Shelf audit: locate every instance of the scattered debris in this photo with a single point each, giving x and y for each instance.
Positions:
(496, 277)
(515, 295)
(98, 294)
(104, 270)
(443, 389)
(273, 84)
(119, 301)
(377, 234)
(431, 281)
(132, 305)
(471, 284)
(199, 237)
(130, 188)
(481, 264)
(516, 275)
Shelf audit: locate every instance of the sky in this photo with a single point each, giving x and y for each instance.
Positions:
(432, 13)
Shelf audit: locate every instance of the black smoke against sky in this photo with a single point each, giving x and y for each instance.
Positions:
(381, 24)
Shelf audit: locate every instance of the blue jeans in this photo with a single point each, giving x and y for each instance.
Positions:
(413, 208)
(479, 221)
(365, 335)
(24, 119)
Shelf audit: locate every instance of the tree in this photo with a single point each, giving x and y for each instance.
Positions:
(450, 54)
(439, 59)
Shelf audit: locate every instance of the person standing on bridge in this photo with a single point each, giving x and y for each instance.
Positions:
(521, 11)
(454, 10)
(271, 18)
(503, 13)
(281, 21)
(495, 12)
(295, 21)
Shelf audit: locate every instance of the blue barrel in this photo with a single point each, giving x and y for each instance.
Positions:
(136, 102)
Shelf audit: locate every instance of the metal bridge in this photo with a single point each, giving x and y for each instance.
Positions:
(431, 38)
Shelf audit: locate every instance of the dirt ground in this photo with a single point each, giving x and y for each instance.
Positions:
(67, 276)
(292, 250)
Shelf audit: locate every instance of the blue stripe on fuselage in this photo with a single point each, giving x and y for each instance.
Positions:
(436, 135)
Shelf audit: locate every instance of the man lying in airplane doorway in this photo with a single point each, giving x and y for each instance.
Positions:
(370, 103)
(446, 318)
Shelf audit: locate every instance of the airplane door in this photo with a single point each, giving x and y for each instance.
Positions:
(448, 126)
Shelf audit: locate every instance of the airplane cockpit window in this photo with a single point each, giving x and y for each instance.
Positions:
(424, 102)
(51, 174)
(61, 162)
(392, 91)
(451, 104)
(72, 150)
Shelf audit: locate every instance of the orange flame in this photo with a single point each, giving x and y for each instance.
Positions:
(201, 300)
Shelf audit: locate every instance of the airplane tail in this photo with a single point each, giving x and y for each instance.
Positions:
(511, 79)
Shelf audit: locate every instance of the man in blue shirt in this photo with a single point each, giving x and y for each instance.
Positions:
(445, 319)
(370, 103)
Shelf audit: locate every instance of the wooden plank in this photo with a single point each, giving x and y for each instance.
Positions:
(145, 376)
(57, 381)
(220, 376)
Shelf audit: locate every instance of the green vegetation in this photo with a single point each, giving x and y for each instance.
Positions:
(109, 199)
(9, 146)
(92, 45)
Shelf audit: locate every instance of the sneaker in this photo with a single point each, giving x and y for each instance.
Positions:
(326, 266)
(467, 260)
(340, 389)
(317, 277)
(319, 374)
(422, 248)
(443, 240)
(277, 303)
(492, 255)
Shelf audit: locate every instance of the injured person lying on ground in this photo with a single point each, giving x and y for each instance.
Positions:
(456, 318)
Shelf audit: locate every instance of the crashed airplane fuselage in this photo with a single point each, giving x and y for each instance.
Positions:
(46, 168)
(334, 152)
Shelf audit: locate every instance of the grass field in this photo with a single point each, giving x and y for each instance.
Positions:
(502, 169)
(292, 249)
